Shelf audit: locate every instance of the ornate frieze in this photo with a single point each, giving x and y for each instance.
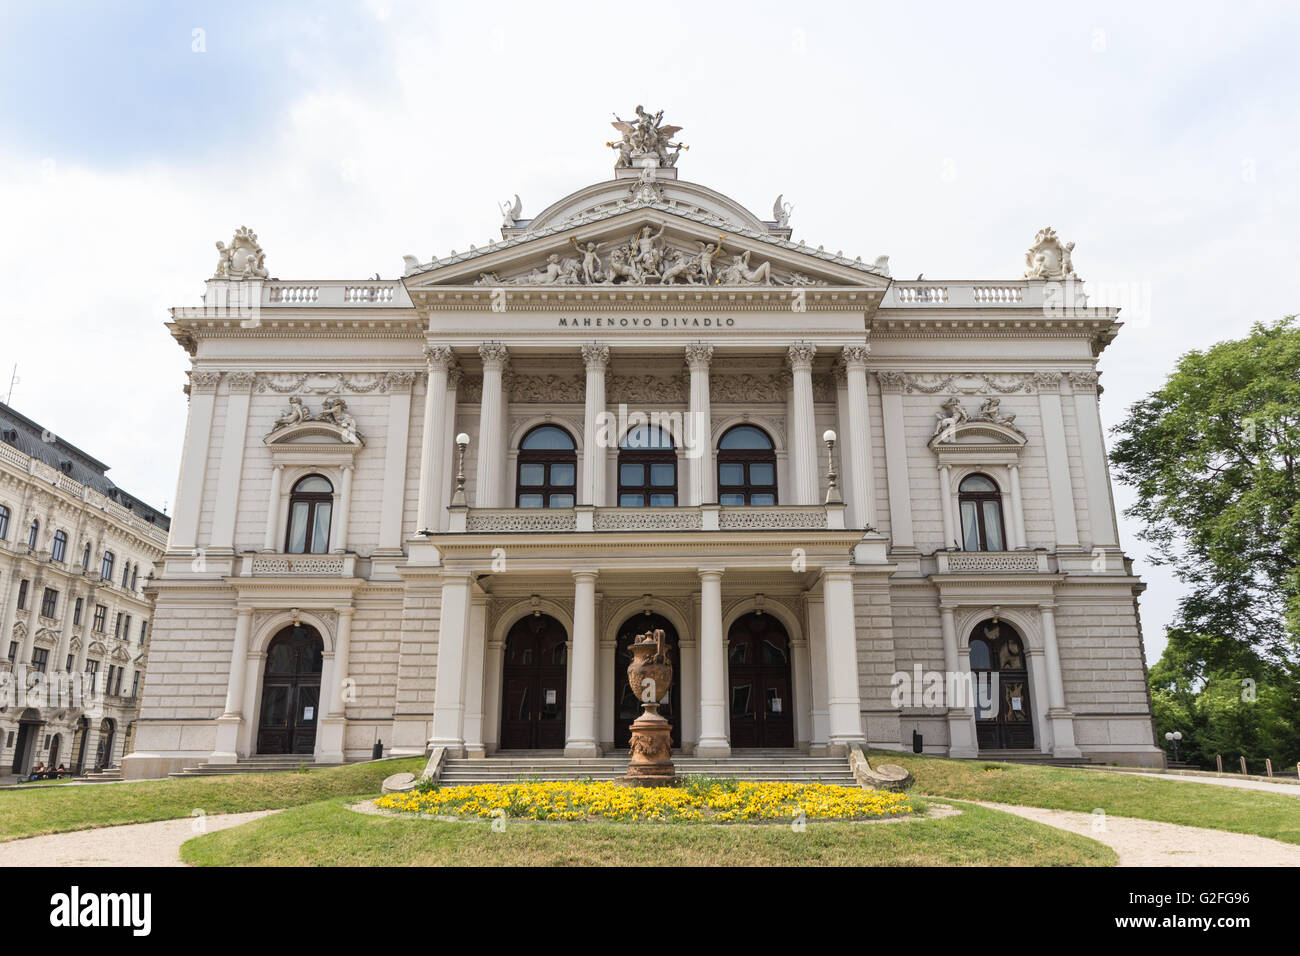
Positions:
(745, 388)
(547, 388)
(322, 383)
(964, 383)
(645, 389)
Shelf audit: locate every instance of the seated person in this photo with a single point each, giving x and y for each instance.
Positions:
(37, 772)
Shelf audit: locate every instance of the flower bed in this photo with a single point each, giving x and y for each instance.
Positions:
(716, 801)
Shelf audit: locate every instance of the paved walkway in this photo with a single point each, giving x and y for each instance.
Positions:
(1290, 789)
(135, 844)
(1147, 843)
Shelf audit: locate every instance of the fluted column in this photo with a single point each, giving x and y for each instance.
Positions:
(189, 490)
(594, 438)
(490, 468)
(432, 453)
(713, 669)
(803, 441)
(699, 429)
(845, 707)
(581, 736)
(861, 482)
(273, 509)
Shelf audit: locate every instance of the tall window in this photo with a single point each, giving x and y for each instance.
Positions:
(40, 660)
(981, 514)
(22, 595)
(117, 625)
(33, 534)
(60, 548)
(101, 615)
(4, 523)
(85, 557)
(144, 631)
(310, 506)
(70, 663)
(135, 576)
(548, 469)
(106, 569)
(92, 668)
(647, 469)
(135, 684)
(76, 611)
(746, 467)
(49, 602)
(126, 573)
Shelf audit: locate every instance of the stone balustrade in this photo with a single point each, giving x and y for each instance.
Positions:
(992, 562)
(703, 518)
(298, 565)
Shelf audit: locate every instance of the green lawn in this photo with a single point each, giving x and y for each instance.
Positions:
(327, 833)
(1271, 815)
(56, 809)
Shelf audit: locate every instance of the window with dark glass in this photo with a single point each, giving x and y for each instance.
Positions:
(106, 568)
(76, 611)
(144, 631)
(135, 576)
(547, 473)
(70, 663)
(22, 595)
(49, 602)
(13, 651)
(135, 684)
(101, 615)
(4, 523)
(108, 678)
(59, 550)
(85, 557)
(117, 682)
(92, 668)
(33, 534)
(981, 514)
(40, 659)
(117, 625)
(647, 469)
(746, 467)
(310, 506)
(126, 573)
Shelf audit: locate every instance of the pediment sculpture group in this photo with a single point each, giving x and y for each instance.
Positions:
(954, 414)
(646, 259)
(334, 411)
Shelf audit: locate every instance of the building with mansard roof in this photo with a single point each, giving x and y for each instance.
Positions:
(433, 513)
(76, 553)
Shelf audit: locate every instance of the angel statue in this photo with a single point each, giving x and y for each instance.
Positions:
(645, 136)
(781, 211)
(510, 213)
(295, 414)
(955, 415)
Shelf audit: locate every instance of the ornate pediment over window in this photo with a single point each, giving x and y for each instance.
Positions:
(987, 436)
(119, 656)
(46, 637)
(96, 650)
(301, 435)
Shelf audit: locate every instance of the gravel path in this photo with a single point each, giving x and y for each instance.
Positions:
(1290, 789)
(135, 844)
(1147, 843)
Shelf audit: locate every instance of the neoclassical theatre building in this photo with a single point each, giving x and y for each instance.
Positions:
(434, 512)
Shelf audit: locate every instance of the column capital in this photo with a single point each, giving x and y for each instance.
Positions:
(1047, 381)
(439, 357)
(582, 573)
(345, 611)
(710, 572)
(947, 607)
(1047, 607)
(494, 355)
(699, 355)
(800, 356)
(837, 573)
(855, 357)
(595, 356)
(241, 381)
(243, 611)
(399, 380)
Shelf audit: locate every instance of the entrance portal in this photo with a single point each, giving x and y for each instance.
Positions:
(533, 685)
(291, 692)
(762, 705)
(996, 649)
(628, 708)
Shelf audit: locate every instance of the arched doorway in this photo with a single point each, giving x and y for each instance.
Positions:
(82, 735)
(759, 681)
(54, 751)
(291, 692)
(104, 749)
(997, 651)
(628, 707)
(29, 732)
(533, 684)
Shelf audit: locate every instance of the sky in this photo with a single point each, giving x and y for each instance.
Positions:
(1160, 138)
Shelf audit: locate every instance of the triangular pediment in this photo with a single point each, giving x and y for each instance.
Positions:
(651, 247)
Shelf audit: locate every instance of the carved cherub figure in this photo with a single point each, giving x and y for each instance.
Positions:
(952, 416)
(991, 411)
(296, 413)
(335, 411)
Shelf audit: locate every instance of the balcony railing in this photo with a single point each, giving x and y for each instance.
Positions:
(992, 562)
(702, 518)
(298, 565)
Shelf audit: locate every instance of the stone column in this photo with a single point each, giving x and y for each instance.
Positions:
(818, 670)
(803, 441)
(896, 451)
(861, 484)
(232, 460)
(581, 730)
(713, 669)
(609, 689)
(492, 695)
(961, 720)
(698, 439)
(1061, 719)
(448, 697)
(343, 683)
(845, 707)
(1058, 459)
(331, 733)
(951, 534)
(474, 653)
(273, 530)
(799, 665)
(688, 663)
(342, 506)
(399, 383)
(490, 470)
(439, 358)
(450, 431)
(189, 490)
(596, 358)
(225, 748)
(1017, 508)
(1092, 445)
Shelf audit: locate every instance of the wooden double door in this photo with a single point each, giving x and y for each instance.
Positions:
(628, 708)
(291, 692)
(760, 682)
(533, 685)
(997, 653)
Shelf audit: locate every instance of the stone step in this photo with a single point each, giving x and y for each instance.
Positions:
(221, 769)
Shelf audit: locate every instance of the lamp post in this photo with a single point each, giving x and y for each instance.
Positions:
(832, 490)
(1173, 737)
(458, 499)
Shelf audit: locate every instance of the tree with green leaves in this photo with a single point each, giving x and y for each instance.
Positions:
(1214, 458)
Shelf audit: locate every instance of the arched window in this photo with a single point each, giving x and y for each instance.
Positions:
(746, 467)
(60, 548)
(981, 514)
(126, 573)
(4, 523)
(647, 469)
(106, 569)
(310, 505)
(85, 557)
(33, 534)
(548, 469)
(135, 576)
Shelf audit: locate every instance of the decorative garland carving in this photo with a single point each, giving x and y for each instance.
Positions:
(647, 388)
(323, 383)
(746, 388)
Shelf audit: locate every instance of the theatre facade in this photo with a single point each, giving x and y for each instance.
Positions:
(435, 511)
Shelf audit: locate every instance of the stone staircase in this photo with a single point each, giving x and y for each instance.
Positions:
(102, 776)
(787, 766)
(262, 763)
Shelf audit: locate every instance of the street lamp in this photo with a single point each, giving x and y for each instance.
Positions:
(832, 491)
(458, 499)
(1173, 737)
